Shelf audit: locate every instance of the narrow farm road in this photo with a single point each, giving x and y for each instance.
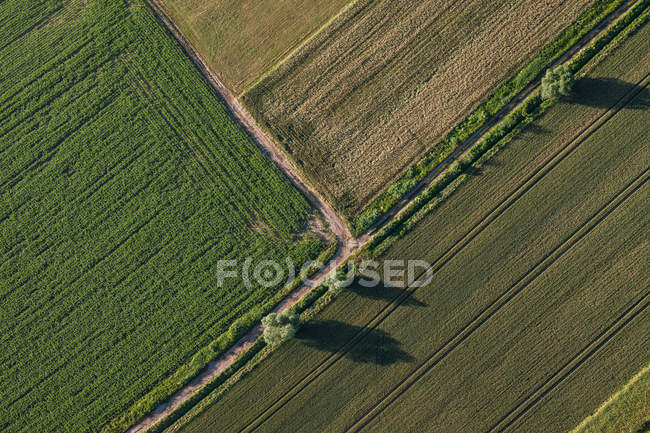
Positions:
(336, 224)
(348, 245)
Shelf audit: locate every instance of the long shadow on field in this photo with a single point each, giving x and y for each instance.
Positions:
(386, 293)
(645, 428)
(598, 92)
(376, 347)
(535, 128)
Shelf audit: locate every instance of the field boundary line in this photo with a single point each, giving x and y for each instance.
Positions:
(465, 147)
(529, 277)
(573, 364)
(604, 408)
(348, 245)
(537, 174)
(288, 54)
(268, 148)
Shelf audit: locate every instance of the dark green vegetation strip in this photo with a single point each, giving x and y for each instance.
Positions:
(519, 81)
(504, 132)
(238, 330)
(383, 84)
(123, 180)
(301, 386)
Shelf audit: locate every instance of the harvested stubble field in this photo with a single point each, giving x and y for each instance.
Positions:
(559, 267)
(242, 39)
(123, 180)
(387, 80)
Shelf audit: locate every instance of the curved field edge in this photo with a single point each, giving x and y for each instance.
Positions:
(216, 395)
(625, 411)
(124, 179)
(482, 115)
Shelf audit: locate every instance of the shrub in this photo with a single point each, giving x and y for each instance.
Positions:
(279, 328)
(337, 280)
(557, 82)
(238, 329)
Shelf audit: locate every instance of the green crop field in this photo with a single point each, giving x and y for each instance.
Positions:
(123, 179)
(387, 80)
(242, 39)
(538, 307)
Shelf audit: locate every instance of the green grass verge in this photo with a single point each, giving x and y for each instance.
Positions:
(627, 411)
(237, 330)
(370, 94)
(499, 136)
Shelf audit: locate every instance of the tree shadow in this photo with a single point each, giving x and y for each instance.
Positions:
(645, 428)
(375, 347)
(490, 162)
(600, 92)
(537, 129)
(474, 171)
(383, 292)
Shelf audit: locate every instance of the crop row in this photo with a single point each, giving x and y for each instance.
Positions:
(475, 120)
(329, 403)
(500, 135)
(123, 180)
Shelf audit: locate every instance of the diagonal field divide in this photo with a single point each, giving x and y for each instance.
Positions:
(535, 175)
(580, 358)
(466, 146)
(517, 288)
(348, 245)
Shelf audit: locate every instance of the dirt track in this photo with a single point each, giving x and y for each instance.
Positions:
(347, 243)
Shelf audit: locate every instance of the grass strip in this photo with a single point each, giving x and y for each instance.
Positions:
(499, 136)
(237, 330)
(528, 74)
(625, 411)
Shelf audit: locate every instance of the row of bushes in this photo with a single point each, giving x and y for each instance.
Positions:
(455, 174)
(308, 306)
(444, 184)
(504, 132)
(477, 119)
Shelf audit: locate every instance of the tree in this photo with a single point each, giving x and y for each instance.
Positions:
(279, 328)
(337, 280)
(557, 82)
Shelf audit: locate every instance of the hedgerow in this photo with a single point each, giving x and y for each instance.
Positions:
(465, 129)
(500, 135)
